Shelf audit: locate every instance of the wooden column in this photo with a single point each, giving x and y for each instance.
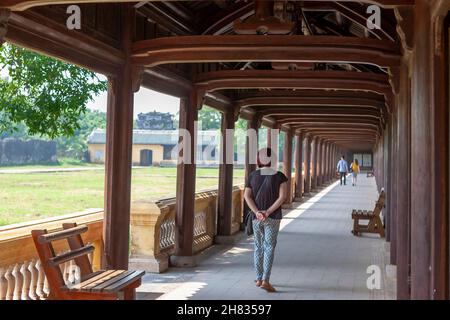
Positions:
(319, 163)
(421, 153)
(185, 201)
(333, 161)
(327, 162)
(251, 147)
(287, 165)
(314, 162)
(387, 177)
(119, 132)
(393, 188)
(226, 175)
(4, 17)
(308, 165)
(299, 166)
(440, 237)
(324, 162)
(403, 185)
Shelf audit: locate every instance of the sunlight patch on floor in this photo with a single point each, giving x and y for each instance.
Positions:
(183, 291)
(298, 211)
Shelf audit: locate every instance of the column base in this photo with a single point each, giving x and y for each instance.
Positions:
(150, 264)
(287, 206)
(391, 271)
(228, 240)
(183, 261)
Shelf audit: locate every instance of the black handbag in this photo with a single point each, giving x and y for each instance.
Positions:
(249, 223)
(250, 215)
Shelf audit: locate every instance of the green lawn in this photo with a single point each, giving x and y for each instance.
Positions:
(26, 197)
(62, 163)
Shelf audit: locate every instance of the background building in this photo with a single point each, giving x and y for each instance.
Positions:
(157, 147)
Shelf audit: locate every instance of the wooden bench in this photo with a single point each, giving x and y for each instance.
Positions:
(100, 285)
(375, 225)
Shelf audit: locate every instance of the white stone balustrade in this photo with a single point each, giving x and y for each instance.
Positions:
(21, 274)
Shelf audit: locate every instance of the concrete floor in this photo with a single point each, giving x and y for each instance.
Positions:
(317, 257)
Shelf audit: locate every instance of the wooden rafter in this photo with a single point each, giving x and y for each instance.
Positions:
(274, 48)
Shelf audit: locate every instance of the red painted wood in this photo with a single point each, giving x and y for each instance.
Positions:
(225, 206)
(118, 158)
(308, 151)
(186, 172)
(299, 165)
(287, 164)
(403, 185)
(421, 154)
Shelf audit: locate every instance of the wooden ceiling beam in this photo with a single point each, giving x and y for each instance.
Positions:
(42, 35)
(273, 48)
(223, 21)
(159, 13)
(324, 80)
(354, 12)
(19, 5)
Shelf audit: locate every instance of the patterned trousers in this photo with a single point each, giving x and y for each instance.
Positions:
(265, 234)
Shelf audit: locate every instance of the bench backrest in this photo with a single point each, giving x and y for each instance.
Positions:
(380, 203)
(51, 261)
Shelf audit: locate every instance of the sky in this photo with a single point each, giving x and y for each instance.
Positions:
(145, 100)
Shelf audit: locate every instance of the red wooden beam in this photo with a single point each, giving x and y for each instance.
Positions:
(274, 48)
(273, 79)
(26, 4)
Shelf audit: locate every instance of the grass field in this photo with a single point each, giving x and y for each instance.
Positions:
(25, 197)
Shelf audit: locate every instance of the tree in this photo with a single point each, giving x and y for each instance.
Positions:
(210, 118)
(75, 146)
(46, 95)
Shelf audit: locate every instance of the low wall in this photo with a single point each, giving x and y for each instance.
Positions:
(153, 228)
(21, 273)
(20, 152)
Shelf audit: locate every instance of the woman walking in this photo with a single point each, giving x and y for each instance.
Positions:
(355, 170)
(265, 192)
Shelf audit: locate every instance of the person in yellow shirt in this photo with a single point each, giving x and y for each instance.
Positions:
(355, 170)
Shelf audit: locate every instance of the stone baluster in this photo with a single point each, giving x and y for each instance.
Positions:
(46, 287)
(34, 279)
(3, 284)
(19, 282)
(26, 276)
(11, 283)
(40, 281)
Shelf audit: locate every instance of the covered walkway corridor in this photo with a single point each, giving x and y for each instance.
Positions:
(316, 257)
(317, 71)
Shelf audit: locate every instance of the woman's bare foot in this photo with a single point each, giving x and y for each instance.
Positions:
(267, 286)
(258, 283)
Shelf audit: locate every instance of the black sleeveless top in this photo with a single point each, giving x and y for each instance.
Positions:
(269, 181)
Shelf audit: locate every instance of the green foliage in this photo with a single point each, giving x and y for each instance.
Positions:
(45, 95)
(210, 118)
(241, 124)
(75, 146)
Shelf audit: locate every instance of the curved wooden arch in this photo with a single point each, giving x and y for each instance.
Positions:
(338, 129)
(20, 5)
(273, 48)
(357, 132)
(314, 111)
(328, 120)
(308, 101)
(273, 79)
(319, 98)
